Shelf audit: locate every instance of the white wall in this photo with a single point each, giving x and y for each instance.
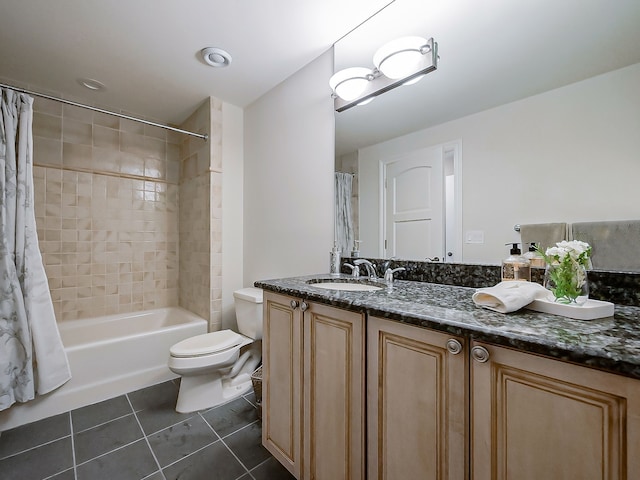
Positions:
(288, 176)
(567, 155)
(232, 202)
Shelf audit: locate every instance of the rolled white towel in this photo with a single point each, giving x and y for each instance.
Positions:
(509, 296)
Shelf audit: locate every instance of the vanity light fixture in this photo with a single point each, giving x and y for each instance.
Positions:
(403, 61)
(349, 83)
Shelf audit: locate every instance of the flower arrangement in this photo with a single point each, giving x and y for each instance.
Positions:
(565, 274)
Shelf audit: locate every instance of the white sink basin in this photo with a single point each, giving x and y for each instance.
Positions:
(346, 286)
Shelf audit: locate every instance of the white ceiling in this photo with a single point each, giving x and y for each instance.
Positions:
(491, 52)
(147, 51)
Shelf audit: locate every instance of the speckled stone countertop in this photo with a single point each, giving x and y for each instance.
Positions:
(611, 344)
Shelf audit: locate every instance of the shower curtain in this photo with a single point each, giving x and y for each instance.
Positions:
(343, 220)
(32, 357)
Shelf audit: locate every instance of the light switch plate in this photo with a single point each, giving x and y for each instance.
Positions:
(474, 236)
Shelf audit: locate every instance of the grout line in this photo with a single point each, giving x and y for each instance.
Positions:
(110, 451)
(236, 457)
(73, 447)
(192, 453)
(146, 439)
(34, 447)
(104, 423)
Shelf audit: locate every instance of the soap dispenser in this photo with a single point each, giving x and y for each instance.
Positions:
(334, 260)
(534, 256)
(515, 266)
(355, 253)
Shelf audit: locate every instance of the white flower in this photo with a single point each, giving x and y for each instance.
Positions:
(576, 250)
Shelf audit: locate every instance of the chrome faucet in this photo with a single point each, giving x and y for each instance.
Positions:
(371, 269)
(355, 270)
(388, 275)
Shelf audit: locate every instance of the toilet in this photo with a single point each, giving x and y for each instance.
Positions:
(216, 367)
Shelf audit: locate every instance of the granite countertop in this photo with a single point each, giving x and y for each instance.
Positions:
(611, 344)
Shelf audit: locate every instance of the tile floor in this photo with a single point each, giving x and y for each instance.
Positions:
(139, 436)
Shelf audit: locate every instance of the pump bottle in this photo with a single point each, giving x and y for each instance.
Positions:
(515, 266)
(534, 256)
(334, 260)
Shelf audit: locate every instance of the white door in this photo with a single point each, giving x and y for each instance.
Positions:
(413, 199)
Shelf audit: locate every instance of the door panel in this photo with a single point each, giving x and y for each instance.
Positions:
(413, 200)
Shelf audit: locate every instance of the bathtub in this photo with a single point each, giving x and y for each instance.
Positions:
(109, 356)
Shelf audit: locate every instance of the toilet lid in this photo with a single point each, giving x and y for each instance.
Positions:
(206, 344)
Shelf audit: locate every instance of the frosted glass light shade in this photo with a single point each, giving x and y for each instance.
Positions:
(349, 83)
(400, 57)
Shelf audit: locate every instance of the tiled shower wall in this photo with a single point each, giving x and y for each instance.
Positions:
(106, 201)
(200, 288)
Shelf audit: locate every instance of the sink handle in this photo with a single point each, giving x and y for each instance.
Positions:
(388, 275)
(355, 270)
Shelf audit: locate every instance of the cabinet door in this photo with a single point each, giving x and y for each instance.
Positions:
(282, 380)
(417, 403)
(535, 418)
(334, 394)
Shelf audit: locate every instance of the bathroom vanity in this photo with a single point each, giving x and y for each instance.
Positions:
(418, 382)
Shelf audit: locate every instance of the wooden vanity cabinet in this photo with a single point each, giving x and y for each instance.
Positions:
(538, 418)
(282, 380)
(416, 403)
(438, 407)
(313, 391)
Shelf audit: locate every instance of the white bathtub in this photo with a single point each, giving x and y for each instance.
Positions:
(110, 356)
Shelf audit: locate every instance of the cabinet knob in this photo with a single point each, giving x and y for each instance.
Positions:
(480, 354)
(454, 346)
(304, 306)
(294, 304)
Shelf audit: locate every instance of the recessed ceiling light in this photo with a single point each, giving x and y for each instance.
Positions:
(92, 84)
(216, 57)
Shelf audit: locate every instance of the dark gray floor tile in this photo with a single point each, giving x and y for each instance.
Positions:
(92, 415)
(66, 475)
(231, 416)
(178, 441)
(214, 462)
(154, 396)
(251, 397)
(155, 476)
(246, 444)
(99, 440)
(38, 463)
(156, 407)
(271, 470)
(132, 462)
(33, 434)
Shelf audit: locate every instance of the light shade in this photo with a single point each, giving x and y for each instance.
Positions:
(349, 83)
(400, 57)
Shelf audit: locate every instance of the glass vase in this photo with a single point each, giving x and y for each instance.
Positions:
(567, 282)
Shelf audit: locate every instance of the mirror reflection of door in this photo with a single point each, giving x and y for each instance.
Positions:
(414, 207)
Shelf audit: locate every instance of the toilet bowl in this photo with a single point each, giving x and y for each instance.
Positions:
(216, 367)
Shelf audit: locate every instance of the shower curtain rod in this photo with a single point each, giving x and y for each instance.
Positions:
(204, 136)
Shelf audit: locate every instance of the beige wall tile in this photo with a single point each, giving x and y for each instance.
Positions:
(76, 132)
(120, 229)
(47, 126)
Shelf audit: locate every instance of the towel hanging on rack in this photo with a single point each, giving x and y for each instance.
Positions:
(545, 235)
(615, 244)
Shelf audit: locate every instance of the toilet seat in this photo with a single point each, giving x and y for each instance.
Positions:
(206, 344)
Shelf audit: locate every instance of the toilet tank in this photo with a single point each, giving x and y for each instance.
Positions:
(248, 303)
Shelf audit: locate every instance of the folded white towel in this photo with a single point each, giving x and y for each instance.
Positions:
(509, 296)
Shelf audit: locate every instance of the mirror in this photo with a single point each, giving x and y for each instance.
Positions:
(541, 97)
